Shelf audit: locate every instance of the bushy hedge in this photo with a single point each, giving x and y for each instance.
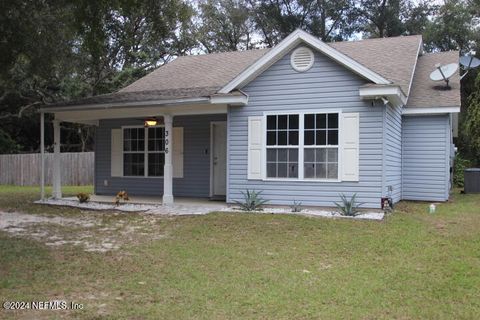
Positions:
(460, 165)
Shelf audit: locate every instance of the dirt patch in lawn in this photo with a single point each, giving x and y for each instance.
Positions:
(94, 233)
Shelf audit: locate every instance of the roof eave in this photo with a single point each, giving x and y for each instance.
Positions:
(430, 110)
(129, 104)
(393, 93)
(289, 43)
(240, 100)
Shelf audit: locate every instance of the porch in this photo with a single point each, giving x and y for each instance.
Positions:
(150, 204)
(182, 155)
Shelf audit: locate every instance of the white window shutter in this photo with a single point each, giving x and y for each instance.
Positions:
(177, 152)
(255, 147)
(116, 160)
(350, 127)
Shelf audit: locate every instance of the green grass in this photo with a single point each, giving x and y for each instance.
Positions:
(258, 266)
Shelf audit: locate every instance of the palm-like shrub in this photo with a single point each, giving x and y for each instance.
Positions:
(296, 206)
(252, 201)
(348, 207)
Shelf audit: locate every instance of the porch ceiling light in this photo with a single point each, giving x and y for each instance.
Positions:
(150, 122)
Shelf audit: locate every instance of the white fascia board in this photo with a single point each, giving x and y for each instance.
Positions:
(430, 110)
(290, 42)
(80, 116)
(230, 100)
(393, 93)
(419, 53)
(102, 106)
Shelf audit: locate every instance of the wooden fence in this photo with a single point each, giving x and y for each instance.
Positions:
(24, 169)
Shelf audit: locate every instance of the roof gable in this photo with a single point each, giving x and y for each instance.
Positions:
(293, 40)
(394, 58)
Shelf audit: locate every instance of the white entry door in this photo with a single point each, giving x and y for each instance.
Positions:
(219, 159)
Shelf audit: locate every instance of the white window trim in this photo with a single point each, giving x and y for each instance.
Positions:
(145, 151)
(301, 146)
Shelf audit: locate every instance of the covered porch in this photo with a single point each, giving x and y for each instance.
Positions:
(183, 153)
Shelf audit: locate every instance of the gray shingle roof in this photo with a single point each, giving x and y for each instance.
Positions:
(428, 93)
(393, 58)
(203, 75)
(207, 70)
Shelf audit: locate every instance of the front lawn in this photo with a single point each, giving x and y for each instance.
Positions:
(256, 266)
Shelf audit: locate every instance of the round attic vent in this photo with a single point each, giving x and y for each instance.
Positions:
(302, 59)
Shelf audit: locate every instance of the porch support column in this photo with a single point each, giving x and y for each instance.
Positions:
(57, 187)
(168, 169)
(42, 156)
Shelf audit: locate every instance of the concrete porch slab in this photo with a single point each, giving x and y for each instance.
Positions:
(152, 205)
(155, 200)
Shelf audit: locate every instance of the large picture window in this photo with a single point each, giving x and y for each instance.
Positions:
(140, 158)
(314, 136)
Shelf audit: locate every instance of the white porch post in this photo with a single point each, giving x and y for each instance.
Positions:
(167, 169)
(42, 156)
(57, 187)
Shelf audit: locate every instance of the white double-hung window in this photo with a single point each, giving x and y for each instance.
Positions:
(320, 154)
(143, 151)
(302, 146)
(282, 146)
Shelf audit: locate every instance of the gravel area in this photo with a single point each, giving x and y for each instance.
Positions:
(198, 209)
(373, 215)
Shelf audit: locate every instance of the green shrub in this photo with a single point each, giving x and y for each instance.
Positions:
(251, 201)
(460, 164)
(348, 207)
(121, 195)
(83, 197)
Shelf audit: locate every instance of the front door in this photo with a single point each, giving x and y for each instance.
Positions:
(219, 159)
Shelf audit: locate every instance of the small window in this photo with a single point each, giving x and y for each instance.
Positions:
(282, 130)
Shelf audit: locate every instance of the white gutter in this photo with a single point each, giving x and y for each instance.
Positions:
(430, 110)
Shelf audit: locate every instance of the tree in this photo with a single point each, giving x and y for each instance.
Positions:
(390, 18)
(7, 144)
(224, 26)
(326, 19)
(62, 50)
(472, 123)
(454, 27)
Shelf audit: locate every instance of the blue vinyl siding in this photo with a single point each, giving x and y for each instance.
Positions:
(393, 152)
(326, 86)
(196, 177)
(426, 157)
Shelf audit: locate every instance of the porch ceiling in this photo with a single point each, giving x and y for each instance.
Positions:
(92, 116)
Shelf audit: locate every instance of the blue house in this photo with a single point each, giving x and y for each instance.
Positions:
(303, 121)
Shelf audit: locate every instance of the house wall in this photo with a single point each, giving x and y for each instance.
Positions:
(426, 157)
(327, 85)
(392, 152)
(196, 177)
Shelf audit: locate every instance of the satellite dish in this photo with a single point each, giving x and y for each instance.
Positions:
(469, 62)
(443, 73)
